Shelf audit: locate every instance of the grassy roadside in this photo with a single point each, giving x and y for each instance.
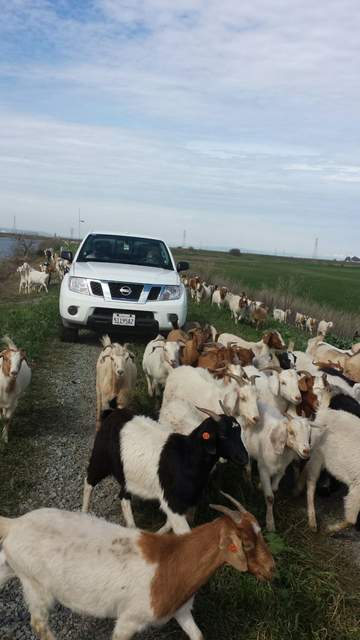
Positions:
(323, 281)
(31, 321)
(321, 291)
(314, 595)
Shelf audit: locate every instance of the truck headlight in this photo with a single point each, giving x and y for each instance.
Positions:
(78, 285)
(170, 292)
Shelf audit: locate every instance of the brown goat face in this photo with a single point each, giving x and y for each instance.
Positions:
(260, 562)
(246, 550)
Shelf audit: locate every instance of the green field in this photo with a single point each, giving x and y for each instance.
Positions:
(333, 284)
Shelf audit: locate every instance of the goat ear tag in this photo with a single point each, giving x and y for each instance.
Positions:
(206, 435)
(233, 548)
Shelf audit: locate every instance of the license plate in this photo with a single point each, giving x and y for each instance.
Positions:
(124, 319)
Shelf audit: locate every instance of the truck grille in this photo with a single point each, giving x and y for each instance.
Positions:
(96, 288)
(119, 291)
(154, 293)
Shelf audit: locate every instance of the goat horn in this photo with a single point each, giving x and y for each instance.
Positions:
(234, 515)
(239, 380)
(210, 413)
(271, 367)
(237, 504)
(224, 408)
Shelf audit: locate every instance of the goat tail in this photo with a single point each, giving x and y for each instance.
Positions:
(9, 342)
(106, 341)
(5, 526)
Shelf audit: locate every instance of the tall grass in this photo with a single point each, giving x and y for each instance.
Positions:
(284, 296)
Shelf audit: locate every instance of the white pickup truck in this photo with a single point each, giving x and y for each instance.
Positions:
(121, 281)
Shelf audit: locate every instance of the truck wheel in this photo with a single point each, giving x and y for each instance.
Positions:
(68, 334)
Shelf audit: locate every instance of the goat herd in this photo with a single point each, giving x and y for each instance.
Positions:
(220, 398)
(30, 278)
(255, 311)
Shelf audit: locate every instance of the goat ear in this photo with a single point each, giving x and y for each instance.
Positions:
(274, 383)
(266, 338)
(278, 438)
(235, 555)
(302, 384)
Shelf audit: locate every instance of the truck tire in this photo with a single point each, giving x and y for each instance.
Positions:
(68, 334)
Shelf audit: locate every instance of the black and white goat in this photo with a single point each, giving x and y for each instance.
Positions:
(150, 461)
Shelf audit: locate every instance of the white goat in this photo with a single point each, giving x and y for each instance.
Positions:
(23, 270)
(186, 385)
(281, 316)
(38, 279)
(335, 448)
(115, 376)
(15, 376)
(324, 327)
(238, 306)
(275, 442)
(278, 387)
(204, 292)
(160, 357)
(219, 296)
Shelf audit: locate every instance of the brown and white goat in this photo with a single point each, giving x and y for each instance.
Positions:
(194, 284)
(15, 376)
(258, 316)
(135, 571)
(219, 296)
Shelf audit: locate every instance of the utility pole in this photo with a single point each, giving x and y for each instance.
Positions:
(71, 232)
(80, 221)
(184, 239)
(14, 227)
(316, 248)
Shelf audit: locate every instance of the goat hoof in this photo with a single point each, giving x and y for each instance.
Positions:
(331, 529)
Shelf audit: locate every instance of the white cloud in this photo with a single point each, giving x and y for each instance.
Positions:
(244, 110)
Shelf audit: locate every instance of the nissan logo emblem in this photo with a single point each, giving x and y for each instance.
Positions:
(125, 291)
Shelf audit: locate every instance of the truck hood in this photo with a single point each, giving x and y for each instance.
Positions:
(123, 273)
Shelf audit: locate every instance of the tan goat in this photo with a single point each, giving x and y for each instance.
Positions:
(115, 376)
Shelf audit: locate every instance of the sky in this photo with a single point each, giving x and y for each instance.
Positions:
(235, 121)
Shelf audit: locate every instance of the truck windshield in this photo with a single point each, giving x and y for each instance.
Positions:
(125, 250)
